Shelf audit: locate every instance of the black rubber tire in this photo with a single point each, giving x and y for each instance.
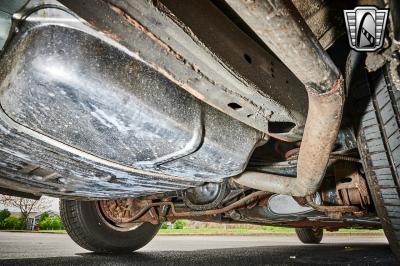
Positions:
(379, 146)
(85, 225)
(310, 235)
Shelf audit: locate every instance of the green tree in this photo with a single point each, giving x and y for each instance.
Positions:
(44, 224)
(51, 223)
(4, 214)
(44, 216)
(13, 223)
(56, 223)
(26, 206)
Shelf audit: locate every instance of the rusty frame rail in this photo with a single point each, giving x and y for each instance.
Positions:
(154, 34)
(280, 25)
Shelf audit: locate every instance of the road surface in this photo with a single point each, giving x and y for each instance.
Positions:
(59, 249)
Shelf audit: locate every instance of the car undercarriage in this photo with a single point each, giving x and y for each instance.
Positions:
(142, 112)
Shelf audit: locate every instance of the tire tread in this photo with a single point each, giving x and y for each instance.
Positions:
(307, 236)
(84, 225)
(379, 145)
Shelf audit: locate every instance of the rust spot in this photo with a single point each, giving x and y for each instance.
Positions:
(122, 210)
(185, 84)
(143, 29)
(112, 35)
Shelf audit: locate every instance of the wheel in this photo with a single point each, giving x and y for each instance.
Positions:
(379, 146)
(90, 229)
(310, 235)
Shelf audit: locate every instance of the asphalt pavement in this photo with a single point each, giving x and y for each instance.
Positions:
(59, 249)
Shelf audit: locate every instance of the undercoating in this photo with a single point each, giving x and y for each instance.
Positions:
(202, 65)
(82, 118)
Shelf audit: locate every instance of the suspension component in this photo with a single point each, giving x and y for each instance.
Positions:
(351, 187)
(283, 30)
(124, 210)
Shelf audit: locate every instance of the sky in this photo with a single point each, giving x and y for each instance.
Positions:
(54, 205)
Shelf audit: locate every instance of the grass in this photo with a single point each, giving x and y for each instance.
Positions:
(244, 231)
(221, 230)
(51, 231)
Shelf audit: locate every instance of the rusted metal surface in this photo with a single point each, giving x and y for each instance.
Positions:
(319, 136)
(284, 31)
(123, 210)
(340, 155)
(323, 122)
(337, 211)
(293, 155)
(281, 27)
(201, 68)
(242, 55)
(252, 208)
(351, 188)
(251, 198)
(173, 214)
(324, 17)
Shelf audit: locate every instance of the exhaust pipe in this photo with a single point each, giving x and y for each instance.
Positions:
(279, 24)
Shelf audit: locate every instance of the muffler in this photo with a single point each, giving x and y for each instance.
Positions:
(279, 24)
